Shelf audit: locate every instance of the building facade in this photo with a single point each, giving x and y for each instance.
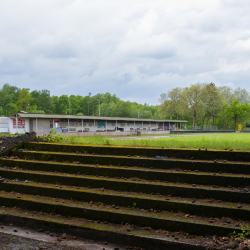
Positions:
(44, 123)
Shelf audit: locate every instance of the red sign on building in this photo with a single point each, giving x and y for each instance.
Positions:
(21, 123)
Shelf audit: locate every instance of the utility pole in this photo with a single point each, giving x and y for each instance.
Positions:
(99, 106)
(88, 102)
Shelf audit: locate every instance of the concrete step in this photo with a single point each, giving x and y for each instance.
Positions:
(204, 166)
(180, 176)
(101, 231)
(161, 220)
(195, 154)
(199, 207)
(175, 189)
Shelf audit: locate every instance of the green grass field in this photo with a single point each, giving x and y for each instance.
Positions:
(215, 141)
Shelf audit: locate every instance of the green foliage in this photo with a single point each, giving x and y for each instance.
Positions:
(245, 232)
(107, 142)
(134, 204)
(236, 111)
(52, 137)
(38, 112)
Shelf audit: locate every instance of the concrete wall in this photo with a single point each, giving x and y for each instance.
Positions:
(20, 129)
(43, 125)
(4, 124)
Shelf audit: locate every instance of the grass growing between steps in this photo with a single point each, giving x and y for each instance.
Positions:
(217, 141)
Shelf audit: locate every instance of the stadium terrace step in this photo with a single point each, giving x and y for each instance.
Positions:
(189, 165)
(124, 234)
(167, 175)
(195, 154)
(157, 220)
(103, 189)
(173, 189)
(200, 207)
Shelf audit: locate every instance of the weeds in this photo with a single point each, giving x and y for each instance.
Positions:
(245, 232)
(52, 137)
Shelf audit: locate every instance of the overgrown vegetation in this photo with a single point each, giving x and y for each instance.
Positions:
(52, 137)
(245, 232)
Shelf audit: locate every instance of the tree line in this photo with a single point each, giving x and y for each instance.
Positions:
(205, 105)
(13, 99)
(202, 105)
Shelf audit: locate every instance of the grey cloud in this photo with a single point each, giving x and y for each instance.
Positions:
(135, 49)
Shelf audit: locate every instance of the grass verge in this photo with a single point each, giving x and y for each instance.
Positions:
(215, 141)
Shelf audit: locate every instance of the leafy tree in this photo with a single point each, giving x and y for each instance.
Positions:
(24, 98)
(63, 104)
(171, 103)
(238, 112)
(55, 105)
(42, 100)
(193, 99)
(242, 95)
(212, 101)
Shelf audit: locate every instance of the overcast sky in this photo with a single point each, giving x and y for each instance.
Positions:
(136, 49)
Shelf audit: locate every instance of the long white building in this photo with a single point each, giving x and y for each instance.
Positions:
(44, 123)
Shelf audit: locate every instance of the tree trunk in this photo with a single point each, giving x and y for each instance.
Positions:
(194, 121)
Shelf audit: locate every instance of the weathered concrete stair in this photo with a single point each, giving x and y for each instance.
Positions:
(200, 197)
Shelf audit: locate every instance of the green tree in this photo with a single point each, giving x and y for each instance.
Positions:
(63, 104)
(42, 100)
(212, 101)
(238, 112)
(193, 99)
(24, 98)
(171, 103)
(242, 95)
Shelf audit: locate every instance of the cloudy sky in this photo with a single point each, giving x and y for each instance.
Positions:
(136, 49)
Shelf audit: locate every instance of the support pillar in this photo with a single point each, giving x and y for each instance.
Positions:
(36, 125)
(16, 124)
(115, 126)
(163, 126)
(94, 125)
(68, 125)
(106, 126)
(82, 125)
